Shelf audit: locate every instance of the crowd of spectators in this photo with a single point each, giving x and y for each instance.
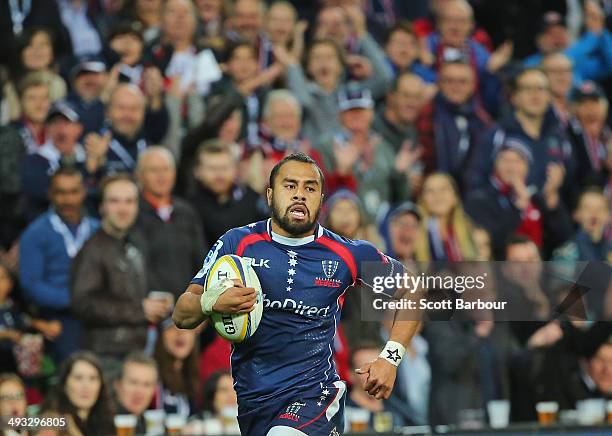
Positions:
(134, 133)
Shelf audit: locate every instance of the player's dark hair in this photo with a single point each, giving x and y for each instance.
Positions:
(296, 157)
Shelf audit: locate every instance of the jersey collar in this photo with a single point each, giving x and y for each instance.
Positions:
(294, 242)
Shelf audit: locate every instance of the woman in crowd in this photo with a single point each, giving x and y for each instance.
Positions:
(177, 357)
(220, 406)
(344, 215)
(81, 396)
(35, 53)
(446, 230)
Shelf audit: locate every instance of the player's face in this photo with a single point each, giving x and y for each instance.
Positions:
(136, 387)
(295, 198)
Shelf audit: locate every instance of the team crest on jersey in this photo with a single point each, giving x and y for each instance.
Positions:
(329, 269)
(292, 411)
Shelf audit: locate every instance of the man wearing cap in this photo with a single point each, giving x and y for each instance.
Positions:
(62, 148)
(591, 54)
(590, 136)
(88, 80)
(507, 205)
(361, 156)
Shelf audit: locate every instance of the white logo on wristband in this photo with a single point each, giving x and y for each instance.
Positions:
(393, 352)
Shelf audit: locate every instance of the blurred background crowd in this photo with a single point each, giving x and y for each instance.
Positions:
(134, 133)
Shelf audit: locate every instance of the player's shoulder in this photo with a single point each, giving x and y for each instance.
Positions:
(359, 248)
(237, 235)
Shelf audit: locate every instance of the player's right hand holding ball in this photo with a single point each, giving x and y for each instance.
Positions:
(237, 299)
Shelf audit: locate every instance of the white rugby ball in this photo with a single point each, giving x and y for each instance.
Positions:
(236, 327)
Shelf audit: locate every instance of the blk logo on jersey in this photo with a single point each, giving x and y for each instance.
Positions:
(260, 263)
(329, 269)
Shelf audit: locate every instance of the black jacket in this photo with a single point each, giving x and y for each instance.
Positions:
(244, 207)
(108, 283)
(173, 249)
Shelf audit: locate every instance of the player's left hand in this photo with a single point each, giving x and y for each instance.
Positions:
(380, 378)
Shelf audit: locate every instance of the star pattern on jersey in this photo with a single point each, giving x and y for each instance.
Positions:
(293, 261)
(393, 355)
(326, 392)
(319, 404)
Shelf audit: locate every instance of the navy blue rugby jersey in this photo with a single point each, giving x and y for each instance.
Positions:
(303, 281)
